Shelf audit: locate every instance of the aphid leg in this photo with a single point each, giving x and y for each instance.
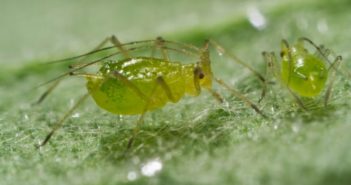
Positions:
(163, 84)
(56, 82)
(198, 74)
(86, 75)
(240, 96)
(59, 124)
(119, 45)
(160, 82)
(325, 53)
(334, 65)
(297, 99)
(112, 39)
(99, 46)
(216, 95)
(147, 99)
(236, 59)
(47, 92)
(336, 68)
(129, 84)
(160, 44)
(272, 69)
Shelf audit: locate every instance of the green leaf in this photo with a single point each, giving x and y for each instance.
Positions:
(195, 141)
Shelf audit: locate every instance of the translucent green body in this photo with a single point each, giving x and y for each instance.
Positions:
(114, 95)
(305, 74)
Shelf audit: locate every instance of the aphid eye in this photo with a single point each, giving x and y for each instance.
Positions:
(282, 54)
(201, 75)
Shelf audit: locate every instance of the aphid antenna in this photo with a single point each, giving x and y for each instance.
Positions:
(342, 71)
(236, 59)
(160, 44)
(323, 54)
(98, 50)
(182, 45)
(75, 68)
(183, 51)
(78, 67)
(58, 79)
(79, 56)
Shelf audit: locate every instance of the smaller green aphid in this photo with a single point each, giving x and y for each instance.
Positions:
(135, 84)
(303, 73)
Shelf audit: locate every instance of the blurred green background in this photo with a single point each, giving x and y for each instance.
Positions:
(195, 141)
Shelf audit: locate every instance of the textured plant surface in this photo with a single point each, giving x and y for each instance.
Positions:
(196, 141)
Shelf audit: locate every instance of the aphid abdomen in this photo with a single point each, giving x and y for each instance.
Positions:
(306, 75)
(117, 97)
(112, 95)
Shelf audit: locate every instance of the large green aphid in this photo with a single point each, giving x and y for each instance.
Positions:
(135, 84)
(116, 95)
(305, 74)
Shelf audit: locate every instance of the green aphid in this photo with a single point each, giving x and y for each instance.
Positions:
(135, 84)
(303, 73)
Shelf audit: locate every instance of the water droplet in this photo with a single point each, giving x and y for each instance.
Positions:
(71, 102)
(295, 128)
(256, 18)
(26, 117)
(272, 109)
(151, 167)
(132, 175)
(76, 115)
(275, 127)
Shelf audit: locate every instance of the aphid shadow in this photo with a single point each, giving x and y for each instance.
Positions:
(164, 139)
(315, 112)
(284, 106)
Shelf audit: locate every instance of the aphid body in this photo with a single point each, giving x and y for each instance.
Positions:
(304, 73)
(113, 95)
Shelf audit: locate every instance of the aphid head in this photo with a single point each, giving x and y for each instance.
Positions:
(288, 52)
(205, 74)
